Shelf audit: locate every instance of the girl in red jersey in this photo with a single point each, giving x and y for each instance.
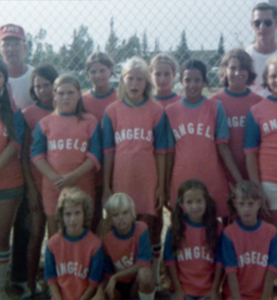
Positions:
(11, 184)
(163, 69)
(135, 142)
(192, 248)
(249, 247)
(236, 74)
(67, 146)
(41, 91)
(261, 140)
(74, 256)
(99, 69)
(200, 138)
(127, 253)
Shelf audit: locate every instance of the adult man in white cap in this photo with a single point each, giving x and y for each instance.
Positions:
(13, 49)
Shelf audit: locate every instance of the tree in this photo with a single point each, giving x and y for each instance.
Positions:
(144, 47)
(130, 48)
(220, 49)
(111, 46)
(182, 50)
(157, 46)
(215, 60)
(80, 48)
(29, 52)
(39, 53)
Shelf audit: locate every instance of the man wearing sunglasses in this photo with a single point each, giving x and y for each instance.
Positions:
(264, 24)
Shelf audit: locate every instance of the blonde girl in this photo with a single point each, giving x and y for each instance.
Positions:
(127, 252)
(163, 68)
(135, 142)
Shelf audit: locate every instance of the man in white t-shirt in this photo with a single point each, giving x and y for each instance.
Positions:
(264, 24)
(13, 48)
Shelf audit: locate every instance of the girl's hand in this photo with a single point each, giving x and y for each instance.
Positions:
(106, 195)
(55, 177)
(179, 295)
(212, 295)
(160, 198)
(98, 296)
(110, 288)
(66, 180)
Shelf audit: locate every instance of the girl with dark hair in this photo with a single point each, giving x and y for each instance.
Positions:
(200, 139)
(192, 254)
(41, 91)
(11, 183)
(99, 69)
(236, 74)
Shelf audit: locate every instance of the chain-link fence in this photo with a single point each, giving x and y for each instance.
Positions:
(66, 32)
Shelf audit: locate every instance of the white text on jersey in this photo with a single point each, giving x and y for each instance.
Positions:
(193, 129)
(194, 253)
(67, 144)
(72, 268)
(253, 258)
(132, 134)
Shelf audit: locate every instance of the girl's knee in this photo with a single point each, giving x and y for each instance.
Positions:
(145, 280)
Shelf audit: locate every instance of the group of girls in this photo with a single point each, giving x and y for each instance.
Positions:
(151, 145)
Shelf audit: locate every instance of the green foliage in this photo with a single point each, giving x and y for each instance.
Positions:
(80, 48)
(111, 46)
(182, 51)
(71, 57)
(220, 49)
(144, 47)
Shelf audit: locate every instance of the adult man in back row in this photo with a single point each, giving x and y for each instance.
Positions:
(13, 49)
(264, 24)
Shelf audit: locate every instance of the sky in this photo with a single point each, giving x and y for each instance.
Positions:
(203, 20)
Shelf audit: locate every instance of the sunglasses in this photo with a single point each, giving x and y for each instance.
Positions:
(267, 23)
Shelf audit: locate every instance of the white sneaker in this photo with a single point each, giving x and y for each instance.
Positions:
(27, 294)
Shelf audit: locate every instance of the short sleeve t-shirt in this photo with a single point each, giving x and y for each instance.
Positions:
(122, 252)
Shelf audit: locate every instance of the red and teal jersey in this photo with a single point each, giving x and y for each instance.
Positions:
(74, 263)
(66, 142)
(196, 131)
(32, 115)
(136, 134)
(123, 251)
(236, 107)
(11, 175)
(250, 252)
(165, 101)
(194, 261)
(261, 137)
(96, 105)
